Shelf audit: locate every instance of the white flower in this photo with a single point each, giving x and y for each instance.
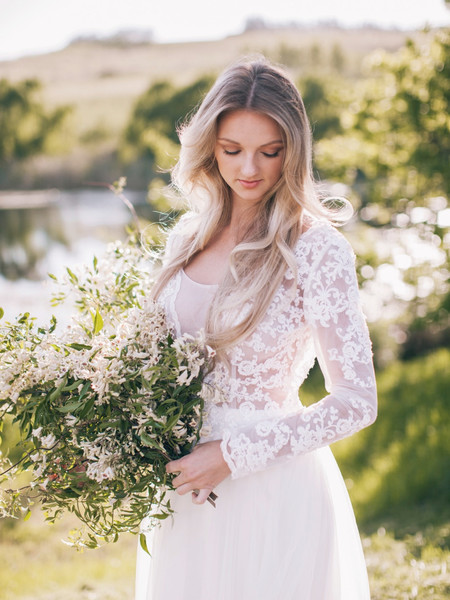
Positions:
(108, 473)
(48, 441)
(71, 420)
(179, 430)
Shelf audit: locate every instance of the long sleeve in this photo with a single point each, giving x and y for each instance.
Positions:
(333, 314)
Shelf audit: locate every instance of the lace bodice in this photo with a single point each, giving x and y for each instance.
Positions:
(255, 409)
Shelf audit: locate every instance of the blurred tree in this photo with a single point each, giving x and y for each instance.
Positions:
(395, 142)
(338, 58)
(322, 104)
(24, 124)
(393, 151)
(315, 55)
(152, 129)
(288, 55)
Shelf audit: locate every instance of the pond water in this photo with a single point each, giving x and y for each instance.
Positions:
(46, 232)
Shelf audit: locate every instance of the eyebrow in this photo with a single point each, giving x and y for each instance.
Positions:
(222, 139)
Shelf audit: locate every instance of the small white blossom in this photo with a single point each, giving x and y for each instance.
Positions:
(48, 441)
(125, 372)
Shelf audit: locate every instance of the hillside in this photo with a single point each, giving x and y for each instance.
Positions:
(84, 70)
(101, 82)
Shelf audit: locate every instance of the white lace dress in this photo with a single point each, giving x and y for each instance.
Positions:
(283, 528)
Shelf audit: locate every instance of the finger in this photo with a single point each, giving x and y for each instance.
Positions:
(184, 489)
(179, 480)
(200, 496)
(173, 467)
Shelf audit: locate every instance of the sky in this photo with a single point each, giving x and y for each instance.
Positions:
(39, 26)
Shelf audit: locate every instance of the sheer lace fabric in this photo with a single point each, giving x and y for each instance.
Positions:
(255, 410)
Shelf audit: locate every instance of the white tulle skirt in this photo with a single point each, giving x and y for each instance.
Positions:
(286, 533)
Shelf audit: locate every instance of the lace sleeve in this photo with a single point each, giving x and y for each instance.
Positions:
(333, 313)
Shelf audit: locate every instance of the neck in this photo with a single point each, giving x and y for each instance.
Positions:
(242, 217)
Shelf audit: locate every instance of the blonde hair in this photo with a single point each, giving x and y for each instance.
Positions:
(259, 262)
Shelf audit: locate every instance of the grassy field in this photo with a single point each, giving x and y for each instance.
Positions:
(63, 71)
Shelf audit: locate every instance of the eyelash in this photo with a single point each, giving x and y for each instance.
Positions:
(266, 154)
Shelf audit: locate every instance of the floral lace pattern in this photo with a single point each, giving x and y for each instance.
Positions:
(257, 413)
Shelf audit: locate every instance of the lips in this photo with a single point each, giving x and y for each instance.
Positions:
(249, 184)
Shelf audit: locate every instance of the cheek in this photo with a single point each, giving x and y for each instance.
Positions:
(223, 165)
(277, 170)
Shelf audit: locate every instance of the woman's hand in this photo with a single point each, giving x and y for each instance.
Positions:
(200, 471)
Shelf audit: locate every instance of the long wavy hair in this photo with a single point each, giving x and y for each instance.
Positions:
(259, 262)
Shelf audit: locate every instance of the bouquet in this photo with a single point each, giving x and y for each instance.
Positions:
(101, 404)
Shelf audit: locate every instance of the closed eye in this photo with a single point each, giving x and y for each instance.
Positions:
(272, 154)
(231, 152)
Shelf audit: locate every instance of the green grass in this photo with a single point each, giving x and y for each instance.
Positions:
(403, 562)
(36, 565)
(403, 459)
(406, 568)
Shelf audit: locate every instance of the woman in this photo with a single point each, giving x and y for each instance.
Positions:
(257, 264)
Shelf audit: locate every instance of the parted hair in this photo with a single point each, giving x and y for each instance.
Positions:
(259, 262)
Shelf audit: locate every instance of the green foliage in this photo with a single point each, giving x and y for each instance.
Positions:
(393, 151)
(152, 128)
(102, 405)
(396, 131)
(25, 125)
(322, 104)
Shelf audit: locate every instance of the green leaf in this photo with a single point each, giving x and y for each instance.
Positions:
(69, 407)
(172, 421)
(149, 441)
(98, 322)
(161, 516)
(143, 542)
(28, 515)
(2, 312)
(72, 275)
(52, 324)
(57, 393)
(76, 346)
(89, 404)
(74, 385)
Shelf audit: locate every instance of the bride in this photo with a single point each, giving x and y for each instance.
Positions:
(257, 264)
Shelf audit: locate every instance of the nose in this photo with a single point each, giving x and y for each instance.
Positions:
(249, 166)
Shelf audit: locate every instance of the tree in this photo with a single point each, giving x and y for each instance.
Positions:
(393, 151)
(322, 105)
(24, 124)
(152, 128)
(396, 138)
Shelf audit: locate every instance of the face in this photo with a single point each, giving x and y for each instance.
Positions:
(249, 153)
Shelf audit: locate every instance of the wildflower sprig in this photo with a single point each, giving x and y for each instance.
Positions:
(101, 404)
